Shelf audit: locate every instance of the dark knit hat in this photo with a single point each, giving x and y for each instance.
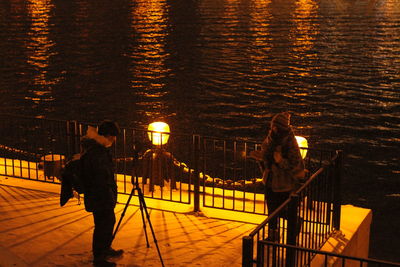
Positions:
(108, 128)
(281, 120)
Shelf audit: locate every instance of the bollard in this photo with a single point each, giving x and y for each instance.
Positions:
(52, 165)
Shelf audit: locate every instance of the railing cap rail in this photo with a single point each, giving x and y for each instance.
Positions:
(332, 254)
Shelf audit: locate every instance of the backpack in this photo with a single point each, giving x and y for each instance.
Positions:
(72, 179)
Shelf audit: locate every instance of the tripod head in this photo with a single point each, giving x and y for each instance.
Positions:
(137, 151)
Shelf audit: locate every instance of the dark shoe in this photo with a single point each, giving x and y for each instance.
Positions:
(113, 253)
(103, 263)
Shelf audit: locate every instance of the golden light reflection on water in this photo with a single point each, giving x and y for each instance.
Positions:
(259, 29)
(388, 46)
(39, 49)
(305, 31)
(392, 8)
(149, 25)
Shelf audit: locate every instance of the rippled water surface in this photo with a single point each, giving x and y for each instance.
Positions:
(222, 68)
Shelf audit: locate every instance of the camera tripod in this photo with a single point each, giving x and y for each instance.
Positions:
(143, 207)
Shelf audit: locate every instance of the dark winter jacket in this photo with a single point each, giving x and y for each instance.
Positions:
(98, 173)
(286, 175)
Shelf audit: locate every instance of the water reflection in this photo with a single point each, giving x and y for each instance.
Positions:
(261, 37)
(148, 56)
(215, 67)
(305, 30)
(387, 44)
(39, 50)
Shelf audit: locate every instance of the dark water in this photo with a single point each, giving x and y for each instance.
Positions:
(222, 68)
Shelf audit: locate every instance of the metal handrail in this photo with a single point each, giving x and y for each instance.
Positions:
(293, 210)
(331, 254)
(284, 204)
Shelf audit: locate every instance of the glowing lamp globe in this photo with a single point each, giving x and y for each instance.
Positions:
(303, 145)
(158, 133)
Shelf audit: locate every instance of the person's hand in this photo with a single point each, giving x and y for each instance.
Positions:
(277, 157)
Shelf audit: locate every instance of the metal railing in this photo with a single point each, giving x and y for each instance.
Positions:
(190, 169)
(27, 143)
(322, 258)
(231, 180)
(37, 149)
(306, 219)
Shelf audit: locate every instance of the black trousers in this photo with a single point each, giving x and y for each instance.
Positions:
(104, 221)
(274, 200)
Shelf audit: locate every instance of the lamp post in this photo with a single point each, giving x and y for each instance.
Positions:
(157, 161)
(303, 145)
(158, 133)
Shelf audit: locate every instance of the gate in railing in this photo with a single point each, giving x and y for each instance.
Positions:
(207, 171)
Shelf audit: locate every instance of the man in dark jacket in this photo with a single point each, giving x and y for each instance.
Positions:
(101, 189)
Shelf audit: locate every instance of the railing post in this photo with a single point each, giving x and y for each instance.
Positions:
(247, 251)
(337, 199)
(68, 137)
(293, 227)
(196, 182)
(75, 137)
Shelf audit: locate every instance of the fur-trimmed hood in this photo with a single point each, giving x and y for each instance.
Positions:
(93, 138)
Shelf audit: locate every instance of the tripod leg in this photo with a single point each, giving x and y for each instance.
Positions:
(144, 221)
(142, 202)
(122, 215)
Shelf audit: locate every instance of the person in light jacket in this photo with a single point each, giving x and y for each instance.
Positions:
(283, 166)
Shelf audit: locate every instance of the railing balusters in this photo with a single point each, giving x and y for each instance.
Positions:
(343, 260)
(191, 161)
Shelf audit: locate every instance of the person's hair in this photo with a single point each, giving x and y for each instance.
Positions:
(108, 128)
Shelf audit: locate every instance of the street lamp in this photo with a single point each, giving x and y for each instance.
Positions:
(158, 133)
(157, 161)
(303, 145)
